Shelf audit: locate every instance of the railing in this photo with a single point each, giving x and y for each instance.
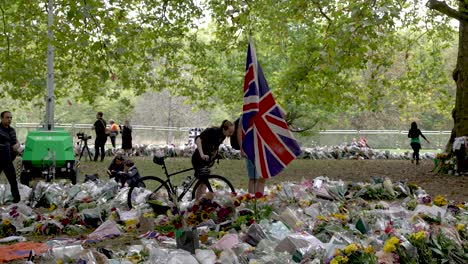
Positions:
(143, 134)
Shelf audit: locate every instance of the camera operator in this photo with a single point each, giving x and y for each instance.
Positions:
(101, 136)
(116, 168)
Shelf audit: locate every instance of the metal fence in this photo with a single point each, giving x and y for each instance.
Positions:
(378, 139)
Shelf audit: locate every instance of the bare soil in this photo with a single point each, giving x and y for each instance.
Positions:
(453, 187)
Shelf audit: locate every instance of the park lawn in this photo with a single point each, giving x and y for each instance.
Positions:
(347, 170)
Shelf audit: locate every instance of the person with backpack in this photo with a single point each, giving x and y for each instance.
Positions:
(256, 183)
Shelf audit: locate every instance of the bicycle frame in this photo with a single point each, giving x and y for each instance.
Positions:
(172, 187)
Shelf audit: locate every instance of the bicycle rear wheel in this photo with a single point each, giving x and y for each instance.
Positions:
(215, 183)
(151, 191)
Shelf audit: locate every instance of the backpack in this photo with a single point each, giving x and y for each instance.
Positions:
(233, 138)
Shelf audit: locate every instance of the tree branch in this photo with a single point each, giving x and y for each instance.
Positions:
(443, 8)
(321, 11)
(5, 32)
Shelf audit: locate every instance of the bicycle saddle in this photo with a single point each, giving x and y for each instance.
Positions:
(158, 160)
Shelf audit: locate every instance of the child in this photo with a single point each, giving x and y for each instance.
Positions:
(131, 175)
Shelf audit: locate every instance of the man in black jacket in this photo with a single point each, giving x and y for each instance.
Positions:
(101, 136)
(8, 146)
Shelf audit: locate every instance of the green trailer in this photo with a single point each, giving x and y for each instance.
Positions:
(49, 154)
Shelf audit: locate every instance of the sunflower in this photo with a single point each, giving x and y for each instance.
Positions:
(204, 216)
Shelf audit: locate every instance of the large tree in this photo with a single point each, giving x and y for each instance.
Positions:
(460, 74)
(321, 58)
(101, 46)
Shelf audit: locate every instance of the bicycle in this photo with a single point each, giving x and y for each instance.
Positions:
(165, 191)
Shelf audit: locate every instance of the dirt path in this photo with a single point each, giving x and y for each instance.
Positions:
(453, 187)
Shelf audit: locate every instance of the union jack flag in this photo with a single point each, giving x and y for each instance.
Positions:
(266, 140)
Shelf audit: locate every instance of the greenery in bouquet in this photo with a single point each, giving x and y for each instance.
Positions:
(164, 225)
(354, 254)
(394, 252)
(443, 163)
(244, 218)
(447, 250)
(410, 204)
(47, 228)
(325, 227)
(256, 203)
(420, 241)
(381, 190)
(7, 228)
(461, 228)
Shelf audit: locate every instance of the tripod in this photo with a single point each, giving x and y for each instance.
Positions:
(85, 147)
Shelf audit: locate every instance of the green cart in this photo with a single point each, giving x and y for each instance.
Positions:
(48, 154)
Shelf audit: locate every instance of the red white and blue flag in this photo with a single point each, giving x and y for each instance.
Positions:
(267, 140)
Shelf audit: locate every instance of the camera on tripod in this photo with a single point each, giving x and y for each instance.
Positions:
(83, 136)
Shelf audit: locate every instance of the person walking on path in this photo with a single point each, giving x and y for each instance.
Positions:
(101, 136)
(9, 145)
(126, 131)
(414, 134)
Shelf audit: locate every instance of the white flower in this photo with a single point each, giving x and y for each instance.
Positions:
(388, 186)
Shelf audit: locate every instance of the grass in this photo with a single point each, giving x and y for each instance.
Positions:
(234, 170)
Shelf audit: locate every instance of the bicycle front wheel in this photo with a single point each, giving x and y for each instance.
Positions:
(151, 191)
(214, 183)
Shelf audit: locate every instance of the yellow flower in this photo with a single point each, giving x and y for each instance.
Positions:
(461, 206)
(369, 250)
(6, 222)
(339, 260)
(342, 217)
(390, 244)
(52, 207)
(321, 217)
(279, 187)
(350, 248)
(460, 227)
(149, 215)
(304, 203)
(439, 200)
(204, 216)
(418, 236)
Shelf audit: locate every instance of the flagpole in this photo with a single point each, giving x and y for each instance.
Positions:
(254, 59)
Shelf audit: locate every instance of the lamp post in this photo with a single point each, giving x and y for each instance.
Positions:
(50, 99)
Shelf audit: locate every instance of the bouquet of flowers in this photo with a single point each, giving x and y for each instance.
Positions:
(354, 254)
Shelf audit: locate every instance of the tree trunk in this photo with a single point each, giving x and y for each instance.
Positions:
(460, 76)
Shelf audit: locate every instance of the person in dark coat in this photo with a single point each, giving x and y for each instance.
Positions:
(208, 143)
(126, 131)
(116, 168)
(101, 136)
(8, 146)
